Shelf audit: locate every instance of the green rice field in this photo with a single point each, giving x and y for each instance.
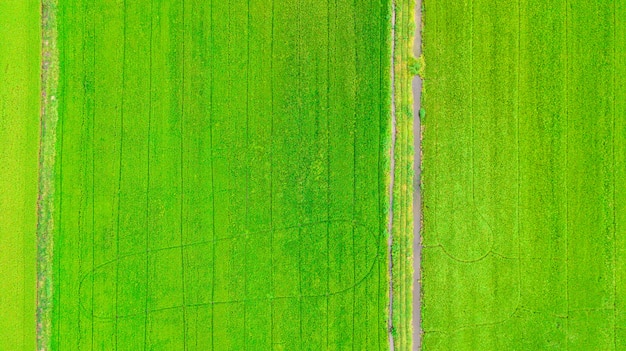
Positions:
(19, 145)
(238, 175)
(524, 150)
(222, 174)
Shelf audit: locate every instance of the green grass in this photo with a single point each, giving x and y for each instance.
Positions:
(524, 146)
(19, 146)
(221, 175)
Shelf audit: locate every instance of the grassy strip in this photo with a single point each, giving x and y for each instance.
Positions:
(402, 227)
(47, 155)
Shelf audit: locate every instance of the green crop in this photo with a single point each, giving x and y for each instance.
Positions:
(524, 146)
(19, 146)
(222, 175)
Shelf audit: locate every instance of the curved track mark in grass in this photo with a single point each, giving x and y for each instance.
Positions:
(346, 226)
(273, 298)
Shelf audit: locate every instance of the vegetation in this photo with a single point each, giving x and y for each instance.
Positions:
(222, 175)
(402, 226)
(524, 146)
(19, 146)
